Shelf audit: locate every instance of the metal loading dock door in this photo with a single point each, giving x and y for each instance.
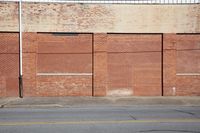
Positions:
(64, 64)
(9, 64)
(134, 64)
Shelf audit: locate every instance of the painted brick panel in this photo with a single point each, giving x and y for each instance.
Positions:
(64, 53)
(120, 73)
(147, 74)
(188, 42)
(64, 43)
(181, 56)
(188, 61)
(129, 57)
(133, 43)
(188, 85)
(64, 63)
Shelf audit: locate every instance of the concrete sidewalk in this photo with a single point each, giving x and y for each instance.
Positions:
(31, 102)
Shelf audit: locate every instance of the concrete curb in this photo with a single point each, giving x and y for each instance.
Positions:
(66, 102)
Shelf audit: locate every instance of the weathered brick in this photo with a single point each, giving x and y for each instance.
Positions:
(181, 56)
(100, 65)
(9, 64)
(134, 64)
(121, 64)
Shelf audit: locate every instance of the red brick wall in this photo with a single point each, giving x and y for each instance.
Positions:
(30, 64)
(120, 61)
(127, 62)
(134, 64)
(57, 54)
(181, 65)
(100, 64)
(9, 64)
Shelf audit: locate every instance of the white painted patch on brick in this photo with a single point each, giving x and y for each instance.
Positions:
(174, 91)
(64, 74)
(120, 92)
(188, 74)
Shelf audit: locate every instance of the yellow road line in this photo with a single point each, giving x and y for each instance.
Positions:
(99, 122)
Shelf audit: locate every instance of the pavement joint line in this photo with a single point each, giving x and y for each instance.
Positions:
(98, 122)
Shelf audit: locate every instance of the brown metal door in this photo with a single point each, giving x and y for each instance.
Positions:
(9, 64)
(64, 64)
(134, 64)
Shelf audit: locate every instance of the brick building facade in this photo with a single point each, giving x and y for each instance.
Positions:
(101, 49)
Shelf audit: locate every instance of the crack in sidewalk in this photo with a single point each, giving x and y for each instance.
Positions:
(7, 102)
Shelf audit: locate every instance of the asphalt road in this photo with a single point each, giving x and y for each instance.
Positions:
(127, 119)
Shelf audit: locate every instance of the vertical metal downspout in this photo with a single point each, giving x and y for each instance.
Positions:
(93, 94)
(162, 66)
(20, 51)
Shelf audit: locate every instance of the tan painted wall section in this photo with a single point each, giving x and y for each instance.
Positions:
(55, 17)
